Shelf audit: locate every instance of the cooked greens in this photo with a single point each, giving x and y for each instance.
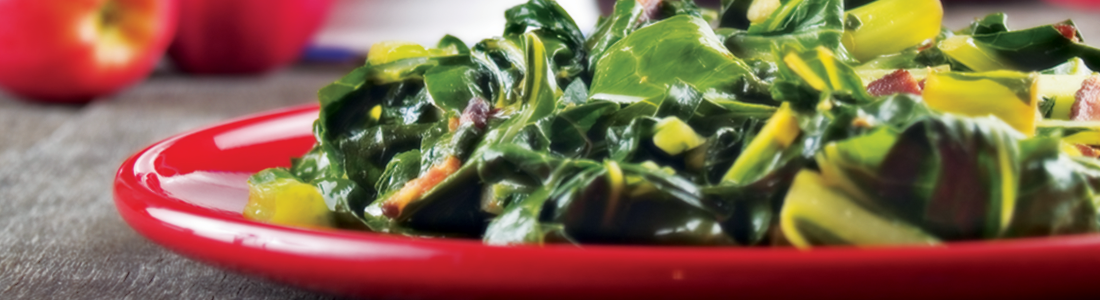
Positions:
(660, 129)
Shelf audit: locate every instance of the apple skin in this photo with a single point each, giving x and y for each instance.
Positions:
(53, 50)
(244, 36)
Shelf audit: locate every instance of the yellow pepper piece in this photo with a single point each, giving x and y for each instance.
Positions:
(674, 136)
(890, 26)
(982, 94)
(288, 202)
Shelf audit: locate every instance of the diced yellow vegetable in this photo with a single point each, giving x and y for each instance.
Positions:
(287, 202)
(674, 136)
(890, 26)
(376, 112)
(816, 214)
(1010, 96)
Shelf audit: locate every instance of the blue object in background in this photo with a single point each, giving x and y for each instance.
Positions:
(329, 54)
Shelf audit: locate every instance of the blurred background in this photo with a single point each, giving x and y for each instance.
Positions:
(353, 25)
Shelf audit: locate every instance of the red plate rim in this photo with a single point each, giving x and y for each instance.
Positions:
(368, 264)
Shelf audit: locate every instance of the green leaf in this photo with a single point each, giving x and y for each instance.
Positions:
(955, 177)
(576, 93)
(670, 8)
(451, 45)
(644, 64)
(455, 81)
(1057, 195)
(521, 220)
(627, 16)
(312, 166)
(1036, 48)
(990, 24)
(816, 213)
(628, 143)
(540, 96)
(346, 200)
(399, 170)
(725, 146)
(798, 25)
(563, 40)
(505, 60)
(572, 203)
(1074, 132)
(650, 207)
(572, 128)
(799, 15)
(681, 101)
(735, 14)
(819, 71)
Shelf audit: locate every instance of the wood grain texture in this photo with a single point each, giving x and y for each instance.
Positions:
(60, 236)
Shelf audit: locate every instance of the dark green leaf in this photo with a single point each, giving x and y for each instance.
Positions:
(952, 176)
(452, 45)
(399, 170)
(990, 24)
(454, 82)
(799, 25)
(735, 14)
(627, 16)
(563, 40)
(1056, 193)
(1038, 48)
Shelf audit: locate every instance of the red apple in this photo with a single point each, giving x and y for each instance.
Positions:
(244, 36)
(75, 50)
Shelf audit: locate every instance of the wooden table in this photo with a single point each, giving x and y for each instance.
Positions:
(60, 236)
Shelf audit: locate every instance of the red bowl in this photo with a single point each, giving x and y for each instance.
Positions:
(186, 193)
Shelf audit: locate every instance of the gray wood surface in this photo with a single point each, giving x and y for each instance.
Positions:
(60, 236)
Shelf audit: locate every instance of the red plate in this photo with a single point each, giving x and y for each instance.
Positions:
(186, 193)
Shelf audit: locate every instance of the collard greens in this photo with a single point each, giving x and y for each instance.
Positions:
(659, 128)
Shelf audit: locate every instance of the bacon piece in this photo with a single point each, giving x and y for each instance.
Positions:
(1068, 31)
(452, 124)
(476, 113)
(417, 187)
(898, 82)
(650, 8)
(1087, 150)
(1087, 106)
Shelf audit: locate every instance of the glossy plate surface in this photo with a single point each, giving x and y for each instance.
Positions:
(186, 193)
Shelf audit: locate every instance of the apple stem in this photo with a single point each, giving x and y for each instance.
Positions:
(109, 14)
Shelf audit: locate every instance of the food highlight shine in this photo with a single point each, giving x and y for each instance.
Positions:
(762, 123)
